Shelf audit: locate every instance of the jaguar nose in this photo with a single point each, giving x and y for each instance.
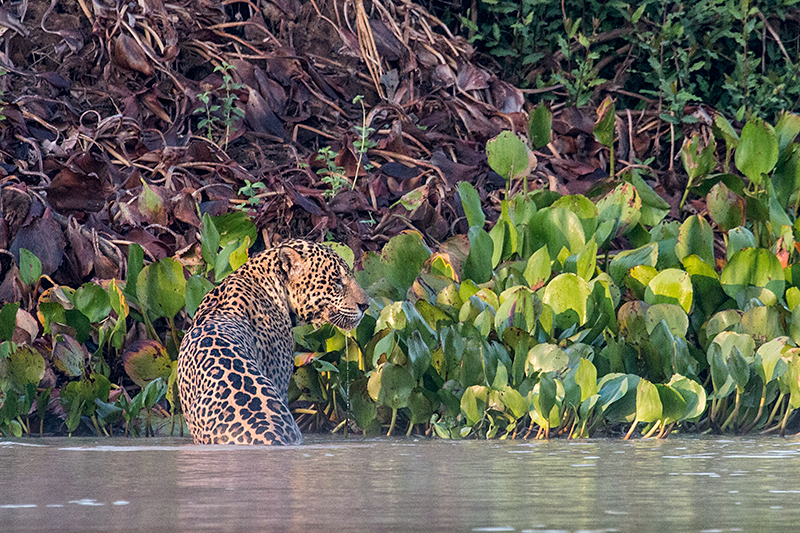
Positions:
(363, 306)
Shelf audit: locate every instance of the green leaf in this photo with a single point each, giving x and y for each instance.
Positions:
(674, 317)
(627, 259)
(22, 367)
(556, 228)
(648, 402)
(30, 268)
(618, 211)
(93, 301)
(471, 202)
(696, 238)
(725, 207)
(478, 265)
(670, 286)
(604, 127)
(135, 264)
(540, 125)
(757, 152)
(738, 368)
(508, 155)
(419, 354)
(768, 359)
(693, 394)
(473, 403)
(520, 309)
(545, 358)
(570, 299)
(160, 288)
(672, 403)
(787, 129)
(196, 288)
(209, 241)
(146, 360)
(537, 269)
(753, 267)
(396, 386)
(8, 321)
(698, 158)
(403, 257)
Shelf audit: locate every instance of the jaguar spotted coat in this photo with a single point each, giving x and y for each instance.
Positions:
(236, 360)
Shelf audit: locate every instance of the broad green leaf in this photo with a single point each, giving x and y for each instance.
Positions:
(520, 309)
(673, 404)
(146, 360)
(586, 378)
(537, 269)
(478, 265)
(738, 368)
(22, 367)
(757, 152)
(753, 267)
(473, 403)
(570, 299)
(93, 301)
(234, 226)
(693, 394)
(648, 402)
(627, 259)
(670, 286)
(638, 278)
(725, 207)
(209, 241)
(30, 268)
(403, 257)
(769, 362)
(471, 202)
(697, 156)
(787, 128)
(556, 228)
(8, 320)
(508, 155)
(654, 207)
(547, 395)
(135, 265)
(419, 354)
(708, 291)
(396, 386)
(696, 238)
(583, 207)
(545, 358)
(621, 207)
(673, 315)
(160, 288)
(540, 125)
(196, 288)
(762, 323)
(740, 238)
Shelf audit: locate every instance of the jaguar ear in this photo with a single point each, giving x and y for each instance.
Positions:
(292, 263)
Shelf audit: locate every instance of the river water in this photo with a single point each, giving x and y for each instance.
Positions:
(153, 485)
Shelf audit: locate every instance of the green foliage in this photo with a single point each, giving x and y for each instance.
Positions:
(219, 108)
(678, 54)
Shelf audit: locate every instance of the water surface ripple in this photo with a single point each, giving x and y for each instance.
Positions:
(150, 485)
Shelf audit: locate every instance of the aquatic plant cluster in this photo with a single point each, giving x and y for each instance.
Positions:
(567, 315)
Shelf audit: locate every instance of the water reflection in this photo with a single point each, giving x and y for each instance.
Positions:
(598, 485)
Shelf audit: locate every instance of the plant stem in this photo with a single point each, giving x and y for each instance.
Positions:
(391, 424)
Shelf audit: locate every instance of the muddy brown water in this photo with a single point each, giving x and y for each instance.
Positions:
(151, 485)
